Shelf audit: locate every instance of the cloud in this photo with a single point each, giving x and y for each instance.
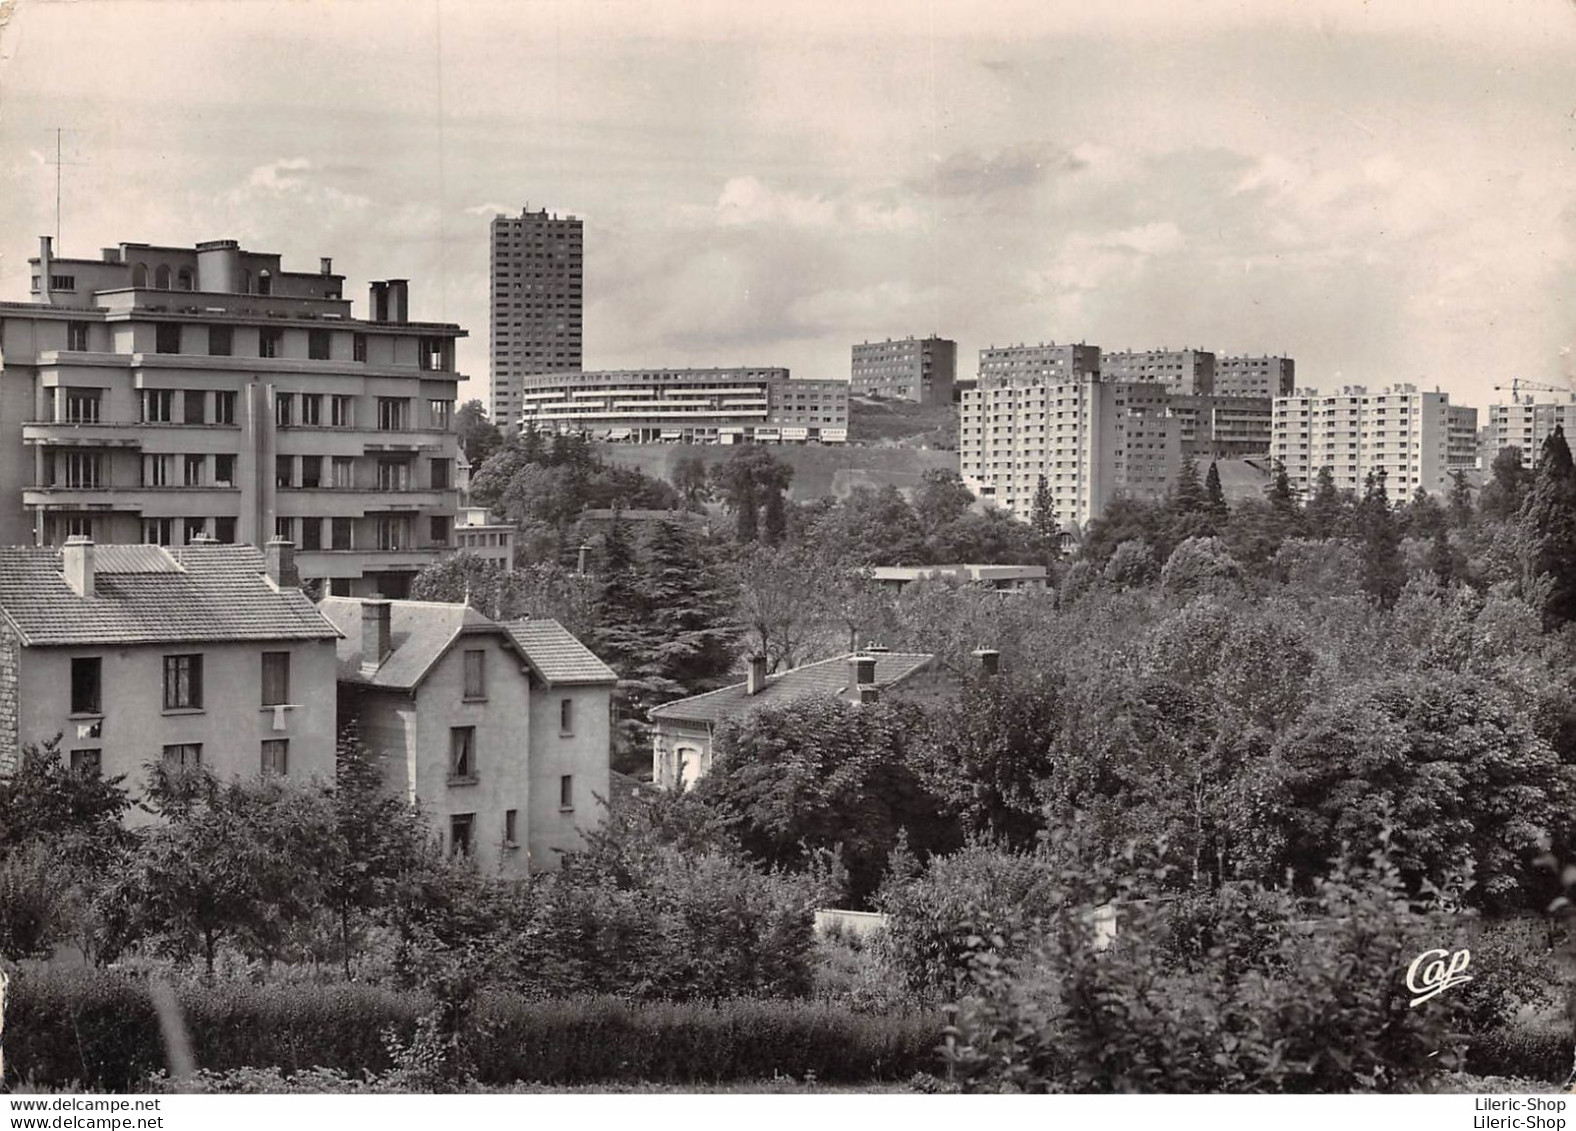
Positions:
(279, 176)
(969, 173)
(489, 210)
(748, 202)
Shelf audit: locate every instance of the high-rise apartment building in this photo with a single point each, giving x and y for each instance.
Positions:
(1255, 376)
(1088, 438)
(1186, 372)
(922, 370)
(169, 395)
(688, 405)
(1355, 433)
(1526, 425)
(537, 301)
(1048, 360)
(1462, 442)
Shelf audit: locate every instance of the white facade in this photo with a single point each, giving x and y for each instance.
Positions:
(1526, 426)
(1356, 433)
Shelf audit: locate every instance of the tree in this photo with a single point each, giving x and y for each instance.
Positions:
(823, 773)
(1214, 494)
(1460, 500)
(691, 482)
(1379, 535)
(779, 594)
(1326, 509)
(688, 600)
(1507, 486)
(940, 499)
(479, 436)
(1279, 490)
(1187, 494)
(1043, 516)
(1549, 516)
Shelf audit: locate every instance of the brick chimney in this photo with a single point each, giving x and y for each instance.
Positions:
(989, 662)
(76, 562)
(376, 633)
(864, 669)
(869, 693)
(279, 556)
(756, 683)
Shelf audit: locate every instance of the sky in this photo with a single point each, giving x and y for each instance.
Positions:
(1384, 191)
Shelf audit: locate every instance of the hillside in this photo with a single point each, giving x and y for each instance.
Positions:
(901, 422)
(819, 470)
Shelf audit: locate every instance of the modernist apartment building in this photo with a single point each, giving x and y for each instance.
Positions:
(160, 394)
(475, 532)
(1222, 427)
(204, 655)
(501, 733)
(1255, 376)
(1047, 360)
(1461, 449)
(1525, 425)
(1187, 372)
(1088, 438)
(1355, 433)
(537, 302)
(922, 370)
(688, 405)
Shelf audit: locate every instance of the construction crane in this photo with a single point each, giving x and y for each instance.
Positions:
(1517, 384)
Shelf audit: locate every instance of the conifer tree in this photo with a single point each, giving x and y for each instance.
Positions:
(1549, 516)
(1188, 495)
(1324, 508)
(1384, 573)
(1043, 516)
(1214, 494)
(1460, 500)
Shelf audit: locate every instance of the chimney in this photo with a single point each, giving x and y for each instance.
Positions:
(584, 558)
(869, 693)
(376, 619)
(378, 302)
(325, 265)
(279, 556)
(46, 266)
(399, 300)
(864, 669)
(990, 662)
(757, 679)
(76, 562)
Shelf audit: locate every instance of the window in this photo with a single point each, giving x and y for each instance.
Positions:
(440, 411)
(276, 756)
(158, 531)
(566, 716)
(224, 408)
(358, 348)
(87, 763)
(77, 469)
(224, 530)
(317, 345)
(344, 471)
(510, 820)
(87, 685)
(440, 475)
(183, 756)
(438, 530)
(268, 341)
(566, 792)
(340, 534)
(196, 407)
(462, 754)
(77, 336)
(167, 337)
(391, 414)
(62, 282)
(284, 528)
(224, 471)
(194, 467)
(276, 678)
(312, 408)
(342, 412)
(156, 471)
(311, 471)
(393, 475)
(311, 534)
(476, 674)
(183, 683)
(284, 471)
(284, 405)
(393, 532)
(221, 341)
(158, 406)
(196, 530)
(460, 826)
(83, 405)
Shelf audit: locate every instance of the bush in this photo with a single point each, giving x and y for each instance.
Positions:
(101, 1029)
(1530, 1053)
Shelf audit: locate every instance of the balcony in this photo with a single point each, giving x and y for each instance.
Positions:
(95, 434)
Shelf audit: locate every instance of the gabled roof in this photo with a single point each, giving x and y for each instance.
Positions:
(420, 632)
(825, 677)
(153, 595)
(555, 655)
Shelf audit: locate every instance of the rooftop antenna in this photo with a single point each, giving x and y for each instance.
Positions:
(59, 164)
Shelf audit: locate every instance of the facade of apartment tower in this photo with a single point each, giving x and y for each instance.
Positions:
(537, 299)
(1355, 433)
(922, 370)
(1526, 425)
(1255, 376)
(1185, 372)
(166, 395)
(1090, 439)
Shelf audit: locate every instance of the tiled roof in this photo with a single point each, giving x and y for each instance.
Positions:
(827, 677)
(147, 595)
(555, 655)
(420, 632)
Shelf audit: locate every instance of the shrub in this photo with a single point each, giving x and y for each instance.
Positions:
(1537, 1054)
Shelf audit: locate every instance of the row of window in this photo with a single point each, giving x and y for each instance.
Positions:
(183, 682)
(188, 756)
(432, 354)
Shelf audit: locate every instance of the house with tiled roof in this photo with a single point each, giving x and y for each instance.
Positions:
(500, 733)
(204, 655)
(682, 734)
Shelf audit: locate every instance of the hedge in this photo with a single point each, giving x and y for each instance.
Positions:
(99, 1030)
(1531, 1054)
